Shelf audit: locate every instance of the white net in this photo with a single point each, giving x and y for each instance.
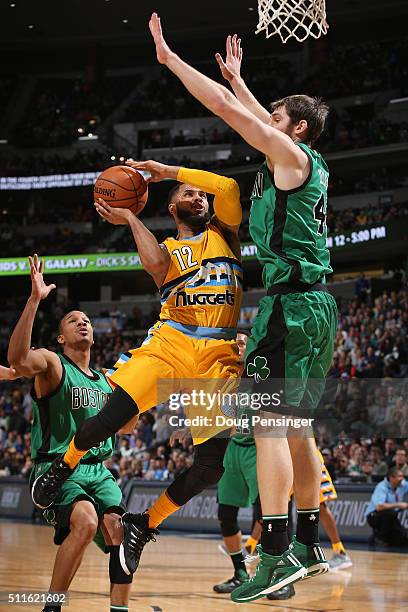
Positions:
(292, 18)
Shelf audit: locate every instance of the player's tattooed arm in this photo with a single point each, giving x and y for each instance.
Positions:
(154, 257)
(231, 71)
(27, 361)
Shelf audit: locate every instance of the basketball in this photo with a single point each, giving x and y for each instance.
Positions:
(122, 187)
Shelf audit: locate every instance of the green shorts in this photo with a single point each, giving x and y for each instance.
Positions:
(291, 348)
(238, 485)
(89, 482)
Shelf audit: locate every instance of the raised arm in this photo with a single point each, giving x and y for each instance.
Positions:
(26, 361)
(227, 204)
(154, 257)
(276, 145)
(231, 71)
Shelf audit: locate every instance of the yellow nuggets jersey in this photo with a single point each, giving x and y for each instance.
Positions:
(327, 490)
(203, 285)
(192, 346)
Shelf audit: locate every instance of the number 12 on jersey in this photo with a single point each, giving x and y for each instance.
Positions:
(186, 261)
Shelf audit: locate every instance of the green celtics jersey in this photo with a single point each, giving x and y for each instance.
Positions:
(58, 415)
(289, 227)
(244, 428)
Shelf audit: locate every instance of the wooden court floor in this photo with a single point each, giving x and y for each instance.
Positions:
(177, 574)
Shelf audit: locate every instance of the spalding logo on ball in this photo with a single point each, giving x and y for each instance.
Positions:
(122, 187)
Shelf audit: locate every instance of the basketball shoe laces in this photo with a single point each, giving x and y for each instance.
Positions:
(257, 570)
(139, 535)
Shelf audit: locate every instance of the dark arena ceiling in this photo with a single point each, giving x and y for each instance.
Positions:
(48, 23)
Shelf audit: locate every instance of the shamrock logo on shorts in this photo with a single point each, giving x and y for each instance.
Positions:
(50, 517)
(258, 369)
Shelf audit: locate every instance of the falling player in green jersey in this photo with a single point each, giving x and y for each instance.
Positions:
(293, 335)
(66, 391)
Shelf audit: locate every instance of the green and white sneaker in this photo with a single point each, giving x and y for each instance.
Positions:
(311, 557)
(272, 573)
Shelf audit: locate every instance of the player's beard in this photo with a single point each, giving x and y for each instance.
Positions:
(289, 131)
(193, 221)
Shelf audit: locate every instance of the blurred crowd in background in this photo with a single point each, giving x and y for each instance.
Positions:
(62, 109)
(345, 133)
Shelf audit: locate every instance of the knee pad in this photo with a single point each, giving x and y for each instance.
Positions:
(208, 465)
(207, 474)
(116, 573)
(192, 482)
(228, 517)
(209, 460)
(206, 470)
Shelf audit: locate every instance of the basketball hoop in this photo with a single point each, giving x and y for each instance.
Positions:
(292, 18)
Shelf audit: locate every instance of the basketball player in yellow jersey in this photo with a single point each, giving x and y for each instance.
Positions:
(199, 276)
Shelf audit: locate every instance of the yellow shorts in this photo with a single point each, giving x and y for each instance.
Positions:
(327, 490)
(176, 359)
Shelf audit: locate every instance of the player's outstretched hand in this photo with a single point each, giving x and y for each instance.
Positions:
(8, 373)
(231, 68)
(158, 171)
(163, 51)
(39, 290)
(116, 216)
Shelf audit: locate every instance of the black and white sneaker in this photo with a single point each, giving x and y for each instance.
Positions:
(285, 592)
(229, 585)
(136, 534)
(47, 486)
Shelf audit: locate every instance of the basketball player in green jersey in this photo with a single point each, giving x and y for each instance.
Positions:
(293, 335)
(67, 391)
(238, 488)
